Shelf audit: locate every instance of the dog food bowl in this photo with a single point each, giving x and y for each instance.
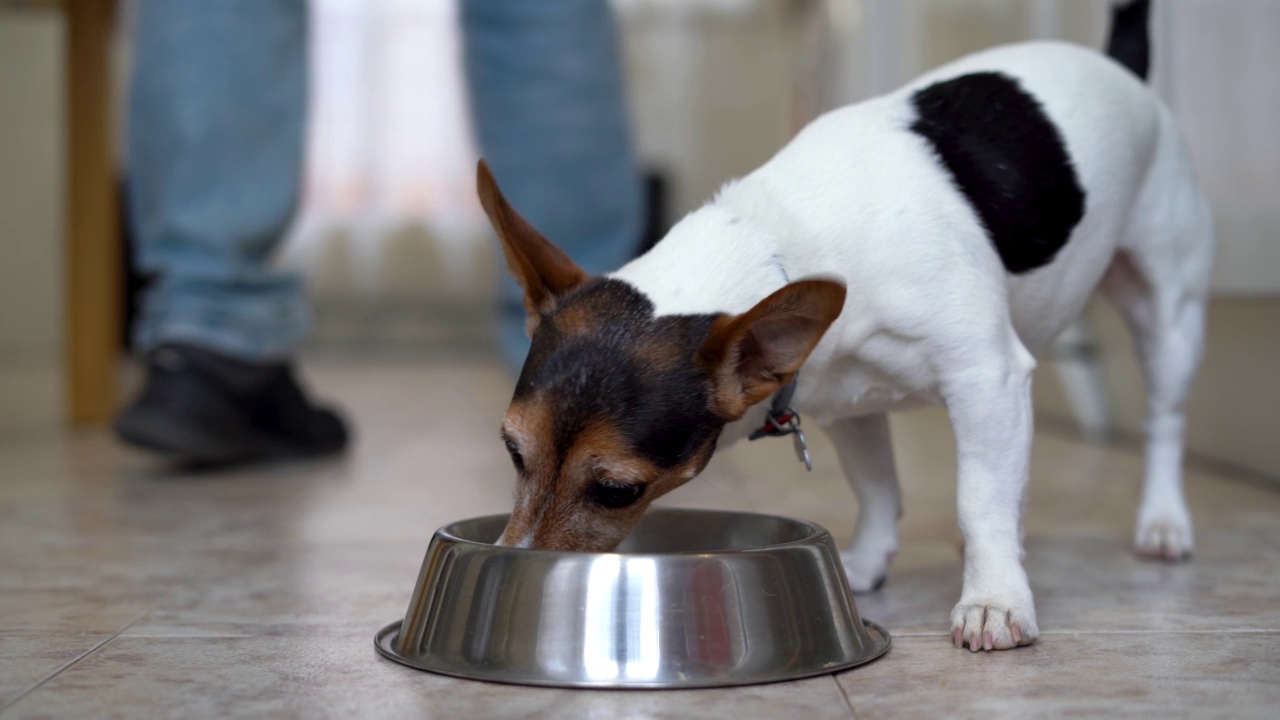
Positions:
(691, 599)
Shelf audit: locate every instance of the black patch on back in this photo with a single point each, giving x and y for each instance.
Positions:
(1009, 161)
(661, 409)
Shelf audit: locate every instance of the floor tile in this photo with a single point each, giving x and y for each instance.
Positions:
(1099, 585)
(256, 591)
(107, 609)
(75, 585)
(295, 590)
(27, 658)
(1169, 675)
(343, 677)
(38, 561)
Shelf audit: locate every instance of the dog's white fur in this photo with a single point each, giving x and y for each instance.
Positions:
(933, 317)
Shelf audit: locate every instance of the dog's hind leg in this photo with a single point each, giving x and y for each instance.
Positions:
(866, 457)
(1159, 281)
(1167, 330)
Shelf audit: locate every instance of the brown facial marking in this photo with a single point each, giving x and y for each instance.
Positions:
(554, 509)
(579, 318)
(528, 427)
(598, 453)
(661, 356)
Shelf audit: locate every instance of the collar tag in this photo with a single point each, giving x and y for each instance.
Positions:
(783, 420)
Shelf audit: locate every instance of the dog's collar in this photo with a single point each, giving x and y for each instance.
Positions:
(782, 420)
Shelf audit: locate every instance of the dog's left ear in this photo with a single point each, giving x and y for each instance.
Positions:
(542, 269)
(753, 354)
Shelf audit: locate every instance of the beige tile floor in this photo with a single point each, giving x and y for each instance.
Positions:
(127, 590)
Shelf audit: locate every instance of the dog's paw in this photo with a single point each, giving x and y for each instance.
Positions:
(866, 569)
(1164, 534)
(993, 625)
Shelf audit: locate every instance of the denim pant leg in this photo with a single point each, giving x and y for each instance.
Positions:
(548, 103)
(215, 142)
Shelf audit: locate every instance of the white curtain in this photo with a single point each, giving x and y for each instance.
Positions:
(389, 182)
(388, 208)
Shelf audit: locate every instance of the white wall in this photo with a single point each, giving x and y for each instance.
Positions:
(31, 186)
(714, 85)
(1220, 60)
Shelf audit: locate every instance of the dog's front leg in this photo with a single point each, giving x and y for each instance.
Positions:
(990, 408)
(866, 457)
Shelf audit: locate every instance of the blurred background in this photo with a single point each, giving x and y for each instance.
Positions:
(401, 265)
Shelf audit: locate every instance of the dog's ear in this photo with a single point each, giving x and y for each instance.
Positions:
(542, 269)
(753, 354)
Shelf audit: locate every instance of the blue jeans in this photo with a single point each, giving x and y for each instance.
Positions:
(215, 141)
(548, 107)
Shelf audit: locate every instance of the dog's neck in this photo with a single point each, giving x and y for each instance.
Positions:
(715, 260)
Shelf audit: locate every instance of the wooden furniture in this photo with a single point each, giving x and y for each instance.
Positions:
(92, 244)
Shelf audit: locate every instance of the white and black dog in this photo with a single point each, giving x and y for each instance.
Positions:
(948, 232)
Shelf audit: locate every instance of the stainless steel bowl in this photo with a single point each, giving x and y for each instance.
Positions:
(692, 599)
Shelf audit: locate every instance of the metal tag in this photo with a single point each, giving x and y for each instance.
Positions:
(802, 449)
(782, 419)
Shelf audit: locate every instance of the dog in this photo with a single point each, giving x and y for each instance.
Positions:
(915, 249)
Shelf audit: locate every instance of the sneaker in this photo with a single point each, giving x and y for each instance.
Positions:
(205, 408)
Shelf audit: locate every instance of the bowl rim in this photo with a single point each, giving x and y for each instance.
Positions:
(815, 533)
(384, 643)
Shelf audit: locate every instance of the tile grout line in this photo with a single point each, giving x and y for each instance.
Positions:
(847, 702)
(1236, 631)
(202, 636)
(1076, 633)
(76, 660)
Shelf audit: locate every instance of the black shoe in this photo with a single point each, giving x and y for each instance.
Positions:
(205, 408)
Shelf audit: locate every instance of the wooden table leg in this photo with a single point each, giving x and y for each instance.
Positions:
(92, 246)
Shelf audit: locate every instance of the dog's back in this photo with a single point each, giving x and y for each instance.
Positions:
(1040, 150)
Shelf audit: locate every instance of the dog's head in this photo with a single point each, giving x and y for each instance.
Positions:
(616, 407)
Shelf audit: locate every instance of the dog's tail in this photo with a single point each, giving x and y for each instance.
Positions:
(1130, 41)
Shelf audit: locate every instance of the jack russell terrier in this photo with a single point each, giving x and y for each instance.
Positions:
(916, 248)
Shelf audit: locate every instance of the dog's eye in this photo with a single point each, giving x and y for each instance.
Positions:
(614, 495)
(516, 458)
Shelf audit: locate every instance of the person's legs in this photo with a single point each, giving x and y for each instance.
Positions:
(215, 141)
(550, 115)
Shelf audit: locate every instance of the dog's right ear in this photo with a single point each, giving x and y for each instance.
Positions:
(542, 269)
(750, 356)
